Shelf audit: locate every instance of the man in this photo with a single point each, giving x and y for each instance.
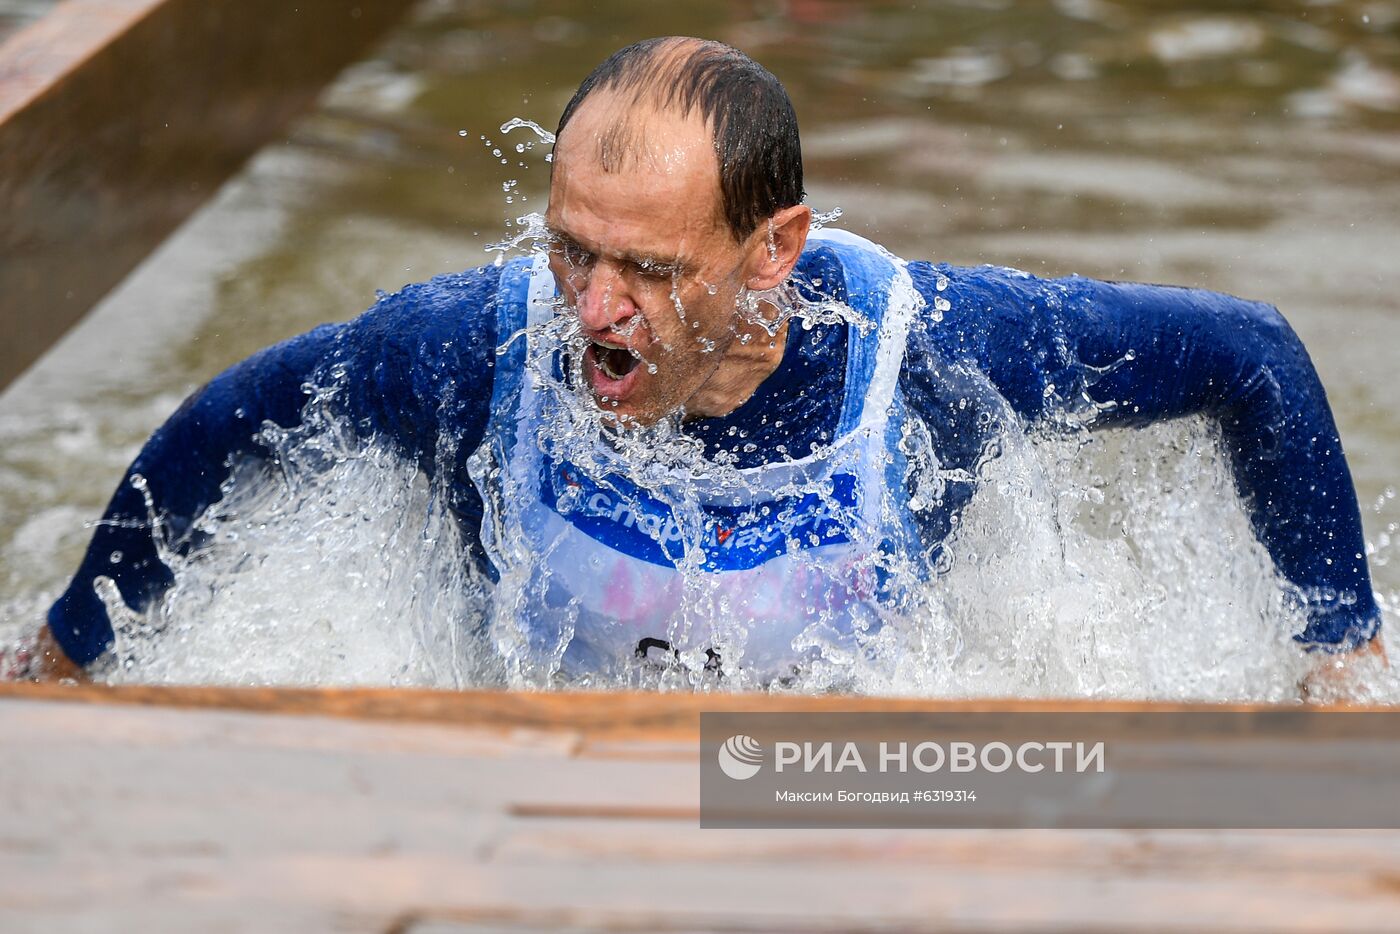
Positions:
(740, 487)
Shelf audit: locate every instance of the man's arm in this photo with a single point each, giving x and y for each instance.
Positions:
(1140, 354)
(418, 361)
(180, 468)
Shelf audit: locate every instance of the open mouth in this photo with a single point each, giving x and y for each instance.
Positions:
(616, 363)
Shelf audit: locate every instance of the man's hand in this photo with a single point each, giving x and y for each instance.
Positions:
(44, 661)
(1338, 678)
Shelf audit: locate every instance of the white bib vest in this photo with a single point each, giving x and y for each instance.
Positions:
(595, 571)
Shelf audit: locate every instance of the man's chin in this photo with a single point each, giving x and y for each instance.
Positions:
(633, 413)
(628, 415)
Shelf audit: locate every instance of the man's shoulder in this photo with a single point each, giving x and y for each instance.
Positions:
(967, 309)
(989, 286)
(425, 331)
(443, 310)
(992, 285)
(450, 295)
(992, 289)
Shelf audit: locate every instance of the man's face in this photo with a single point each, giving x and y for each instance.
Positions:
(643, 255)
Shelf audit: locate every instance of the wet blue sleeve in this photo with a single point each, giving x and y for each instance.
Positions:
(1135, 354)
(414, 370)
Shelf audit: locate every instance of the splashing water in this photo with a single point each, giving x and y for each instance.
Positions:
(515, 123)
(1112, 565)
(822, 219)
(706, 618)
(332, 561)
(531, 233)
(1117, 564)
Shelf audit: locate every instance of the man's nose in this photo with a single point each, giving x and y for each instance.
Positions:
(604, 300)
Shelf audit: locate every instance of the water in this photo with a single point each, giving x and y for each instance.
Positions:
(1251, 152)
(1070, 575)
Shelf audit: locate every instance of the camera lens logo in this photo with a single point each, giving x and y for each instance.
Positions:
(740, 757)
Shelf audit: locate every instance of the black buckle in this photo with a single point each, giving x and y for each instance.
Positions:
(712, 659)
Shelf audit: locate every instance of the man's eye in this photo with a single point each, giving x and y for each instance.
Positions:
(656, 271)
(573, 255)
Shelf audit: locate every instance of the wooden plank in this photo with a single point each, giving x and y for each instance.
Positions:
(119, 117)
(156, 817)
(603, 718)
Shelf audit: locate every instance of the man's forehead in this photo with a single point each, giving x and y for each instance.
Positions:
(636, 169)
(622, 134)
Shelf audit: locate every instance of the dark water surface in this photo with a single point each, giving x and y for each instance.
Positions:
(1251, 148)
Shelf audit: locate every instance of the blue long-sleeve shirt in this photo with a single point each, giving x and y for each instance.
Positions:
(417, 369)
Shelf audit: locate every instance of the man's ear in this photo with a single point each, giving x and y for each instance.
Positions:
(778, 245)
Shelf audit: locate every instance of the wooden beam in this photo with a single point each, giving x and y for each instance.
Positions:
(601, 714)
(118, 118)
(123, 817)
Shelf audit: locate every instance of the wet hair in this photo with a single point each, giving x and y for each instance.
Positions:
(750, 117)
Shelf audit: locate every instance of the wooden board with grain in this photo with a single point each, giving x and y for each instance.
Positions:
(307, 810)
(119, 118)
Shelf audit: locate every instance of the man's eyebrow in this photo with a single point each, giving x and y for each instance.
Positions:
(556, 233)
(651, 260)
(627, 256)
